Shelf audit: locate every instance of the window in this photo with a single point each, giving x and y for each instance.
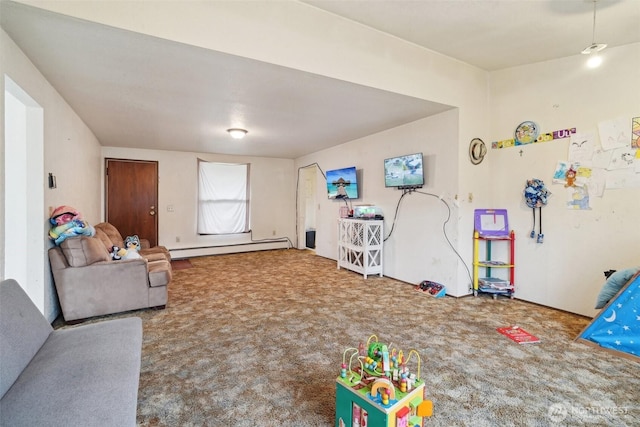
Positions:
(223, 198)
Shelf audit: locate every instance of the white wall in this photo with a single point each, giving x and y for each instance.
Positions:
(272, 196)
(71, 152)
(566, 271)
(299, 36)
(417, 248)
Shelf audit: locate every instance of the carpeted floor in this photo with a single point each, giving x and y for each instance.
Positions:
(180, 264)
(256, 339)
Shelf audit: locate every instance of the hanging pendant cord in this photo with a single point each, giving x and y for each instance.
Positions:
(593, 37)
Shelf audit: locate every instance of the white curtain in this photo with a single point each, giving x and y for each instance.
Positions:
(223, 198)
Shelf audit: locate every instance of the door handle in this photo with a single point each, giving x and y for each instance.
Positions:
(152, 213)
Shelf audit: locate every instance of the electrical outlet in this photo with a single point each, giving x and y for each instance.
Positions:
(177, 239)
(170, 208)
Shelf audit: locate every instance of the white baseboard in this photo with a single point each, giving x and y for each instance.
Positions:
(181, 253)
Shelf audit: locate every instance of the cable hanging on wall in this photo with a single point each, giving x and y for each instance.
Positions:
(444, 224)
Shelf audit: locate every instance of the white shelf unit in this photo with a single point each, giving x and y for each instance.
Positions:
(360, 244)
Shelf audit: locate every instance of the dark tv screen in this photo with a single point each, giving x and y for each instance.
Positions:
(404, 171)
(342, 183)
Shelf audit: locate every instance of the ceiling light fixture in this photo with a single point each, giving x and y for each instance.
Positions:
(237, 133)
(592, 50)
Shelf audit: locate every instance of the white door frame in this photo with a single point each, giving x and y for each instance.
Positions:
(24, 242)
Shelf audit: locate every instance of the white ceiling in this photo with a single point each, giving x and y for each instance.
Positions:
(138, 91)
(497, 34)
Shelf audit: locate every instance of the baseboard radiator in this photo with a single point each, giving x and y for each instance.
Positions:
(181, 253)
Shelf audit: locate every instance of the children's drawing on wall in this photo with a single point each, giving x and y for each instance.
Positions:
(622, 158)
(578, 197)
(615, 133)
(613, 162)
(622, 178)
(577, 178)
(620, 138)
(635, 135)
(570, 177)
(601, 158)
(597, 181)
(581, 147)
(565, 173)
(560, 172)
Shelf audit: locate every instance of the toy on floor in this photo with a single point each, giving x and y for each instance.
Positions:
(431, 288)
(376, 388)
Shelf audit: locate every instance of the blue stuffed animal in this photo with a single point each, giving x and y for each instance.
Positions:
(132, 243)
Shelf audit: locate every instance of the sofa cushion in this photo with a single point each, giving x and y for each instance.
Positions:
(102, 236)
(83, 250)
(159, 273)
(112, 234)
(82, 376)
(23, 330)
(153, 256)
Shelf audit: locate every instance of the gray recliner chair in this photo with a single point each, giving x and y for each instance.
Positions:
(89, 283)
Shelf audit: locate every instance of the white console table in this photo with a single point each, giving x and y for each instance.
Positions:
(360, 244)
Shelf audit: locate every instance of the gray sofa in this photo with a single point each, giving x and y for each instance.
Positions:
(82, 376)
(89, 283)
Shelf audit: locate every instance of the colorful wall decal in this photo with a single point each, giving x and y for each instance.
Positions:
(526, 132)
(544, 137)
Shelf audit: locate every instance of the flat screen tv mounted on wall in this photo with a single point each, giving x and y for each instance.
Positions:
(342, 183)
(404, 172)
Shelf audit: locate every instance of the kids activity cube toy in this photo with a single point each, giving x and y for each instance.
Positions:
(376, 388)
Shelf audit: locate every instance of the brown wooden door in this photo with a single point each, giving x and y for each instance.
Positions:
(132, 197)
